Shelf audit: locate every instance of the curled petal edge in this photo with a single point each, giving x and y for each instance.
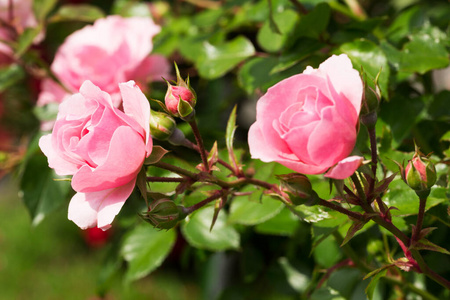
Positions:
(345, 168)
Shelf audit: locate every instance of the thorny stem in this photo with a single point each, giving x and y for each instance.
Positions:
(373, 150)
(175, 169)
(200, 145)
(165, 179)
(341, 209)
(427, 271)
(193, 146)
(416, 234)
(217, 195)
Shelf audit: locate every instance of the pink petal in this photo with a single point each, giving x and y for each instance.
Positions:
(61, 165)
(332, 139)
(136, 106)
(99, 208)
(152, 68)
(345, 168)
(345, 79)
(125, 158)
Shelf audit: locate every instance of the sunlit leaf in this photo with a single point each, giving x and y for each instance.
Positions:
(145, 248)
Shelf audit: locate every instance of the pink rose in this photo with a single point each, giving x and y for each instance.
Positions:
(102, 147)
(308, 122)
(112, 50)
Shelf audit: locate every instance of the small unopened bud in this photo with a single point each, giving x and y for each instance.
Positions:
(175, 94)
(162, 125)
(370, 102)
(420, 174)
(299, 189)
(163, 213)
(180, 99)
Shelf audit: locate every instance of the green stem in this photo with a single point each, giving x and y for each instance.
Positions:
(200, 145)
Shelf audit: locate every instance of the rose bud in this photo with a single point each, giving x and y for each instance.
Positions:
(371, 101)
(162, 125)
(180, 99)
(299, 189)
(163, 214)
(175, 94)
(420, 174)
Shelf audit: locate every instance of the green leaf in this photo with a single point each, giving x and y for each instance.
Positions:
(284, 223)
(145, 248)
(40, 192)
(303, 48)
(371, 58)
(26, 40)
(272, 41)
(405, 199)
(298, 281)
(10, 75)
(216, 60)
(315, 22)
(401, 124)
(423, 53)
(326, 293)
(408, 21)
(229, 137)
(157, 154)
(312, 214)
(42, 8)
(425, 244)
(327, 253)
(446, 136)
(245, 211)
(126, 8)
(256, 74)
(356, 225)
(195, 229)
(370, 289)
(77, 12)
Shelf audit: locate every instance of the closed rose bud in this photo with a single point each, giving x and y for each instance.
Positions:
(420, 174)
(163, 214)
(176, 93)
(162, 125)
(299, 189)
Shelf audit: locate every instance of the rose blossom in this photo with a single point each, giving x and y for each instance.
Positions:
(308, 122)
(112, 50)
(102, 147)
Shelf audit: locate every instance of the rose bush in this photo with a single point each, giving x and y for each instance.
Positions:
(102, 147)
(308, 122)
(112, 50)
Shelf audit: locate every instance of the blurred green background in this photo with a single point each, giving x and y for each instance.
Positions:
(54, 261)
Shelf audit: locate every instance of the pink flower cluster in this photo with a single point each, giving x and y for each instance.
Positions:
(110, 51)
(309, 122)
(102, 147)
